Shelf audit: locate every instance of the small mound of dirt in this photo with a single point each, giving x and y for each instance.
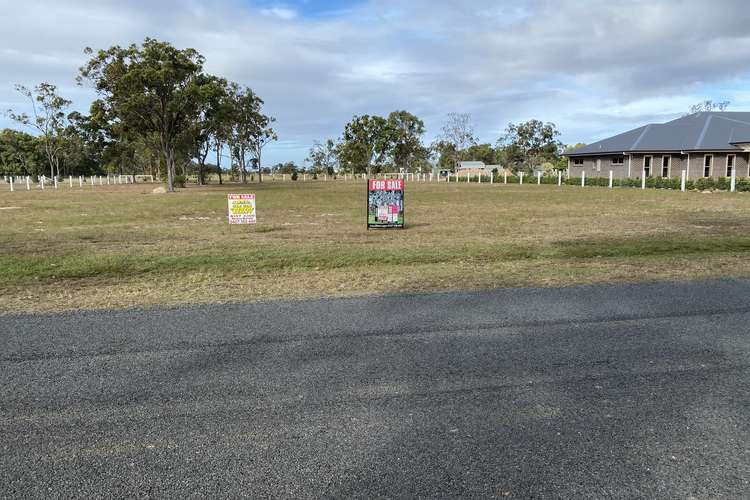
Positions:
(159, 190)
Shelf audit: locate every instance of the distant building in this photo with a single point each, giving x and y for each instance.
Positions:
(706, 144)
(478, 168)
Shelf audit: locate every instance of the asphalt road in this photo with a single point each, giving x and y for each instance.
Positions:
(621, 391)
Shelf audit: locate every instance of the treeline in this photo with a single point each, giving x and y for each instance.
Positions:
(157, 112)
(376, 144)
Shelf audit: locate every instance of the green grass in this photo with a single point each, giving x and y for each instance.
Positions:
(116, 246)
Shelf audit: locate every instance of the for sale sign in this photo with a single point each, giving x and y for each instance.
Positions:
(385, 203)
(241, 208)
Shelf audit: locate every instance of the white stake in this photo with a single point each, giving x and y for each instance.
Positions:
(70, 180)
(28, 186)
(80, 181)
(682, 182)
(505, 176)
(55, 182)
(733, 181)
(610, 179)
(583, 178)
(11, 183)
(42, 183)
(538, 178)
(521, 178)
(107, 179)
(559, 177)
(643, 179)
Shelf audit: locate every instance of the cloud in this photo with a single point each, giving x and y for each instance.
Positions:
(593, 67)
(280, 12)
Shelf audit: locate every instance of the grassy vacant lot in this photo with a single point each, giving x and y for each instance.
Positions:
(115, 246)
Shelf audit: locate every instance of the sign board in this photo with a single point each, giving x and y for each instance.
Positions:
(385, 203)
(241, 208)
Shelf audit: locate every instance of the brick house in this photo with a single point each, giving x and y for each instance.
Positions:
(706, 144)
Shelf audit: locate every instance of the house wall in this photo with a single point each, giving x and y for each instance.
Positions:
(633, 166)
(719, 166)
(599, 166)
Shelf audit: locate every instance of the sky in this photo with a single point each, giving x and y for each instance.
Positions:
(594, 68)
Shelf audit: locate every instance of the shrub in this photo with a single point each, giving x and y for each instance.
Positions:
(294, 176)
(179, 181)
(723, 183)
(704, 183)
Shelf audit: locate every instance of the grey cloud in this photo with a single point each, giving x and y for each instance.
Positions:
(559, 61)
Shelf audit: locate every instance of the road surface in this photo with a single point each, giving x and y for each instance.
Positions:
(620, 391)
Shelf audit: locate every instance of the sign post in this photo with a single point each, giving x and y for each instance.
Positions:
(241, 208)
(385, 203)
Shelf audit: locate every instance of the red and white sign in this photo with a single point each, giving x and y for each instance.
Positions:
(241, 208)
(386, 185)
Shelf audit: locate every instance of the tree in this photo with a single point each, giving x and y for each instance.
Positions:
(366, 142)
(247, 124)
(261, 136)
(20, 153)
(456, 135)
(209, 120)
(529, 144)
(406, 132)
(153, 90)
(48, 110)
(481, 152)
(323, 156)
(708, 105)
(223, 122)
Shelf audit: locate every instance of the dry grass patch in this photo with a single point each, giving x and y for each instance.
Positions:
(123, 246)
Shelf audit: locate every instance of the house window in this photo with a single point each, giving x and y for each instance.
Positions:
(730, 165)
(665, 160)
(647, 166)
(618, 160)
(578, 162)
(708, 161)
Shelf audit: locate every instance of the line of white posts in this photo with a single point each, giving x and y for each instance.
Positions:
(42, 181)
(420, 177)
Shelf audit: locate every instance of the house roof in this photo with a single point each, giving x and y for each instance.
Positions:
(705, 131)
(471, 164)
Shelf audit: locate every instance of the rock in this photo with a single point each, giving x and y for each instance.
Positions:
(159, 190)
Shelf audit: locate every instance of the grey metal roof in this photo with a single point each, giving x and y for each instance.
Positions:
(705, 131)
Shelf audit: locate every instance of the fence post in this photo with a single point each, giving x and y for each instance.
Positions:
(643, 179)
(55, 182)
(520, 183)
(480, 177)
(11, 183)
(80, 181)
(538, 178)
(583, 178)
(682, 182)
(70, 180)
(505, 176)
(559, 177)
(28, 185)
(41, 185)
(733, 182)
(610, 179)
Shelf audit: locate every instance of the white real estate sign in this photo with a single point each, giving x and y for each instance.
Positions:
(241, 208)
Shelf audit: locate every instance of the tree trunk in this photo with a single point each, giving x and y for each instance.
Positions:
(242, 164)
(169, 158)
(218, 160)
(260, 169)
